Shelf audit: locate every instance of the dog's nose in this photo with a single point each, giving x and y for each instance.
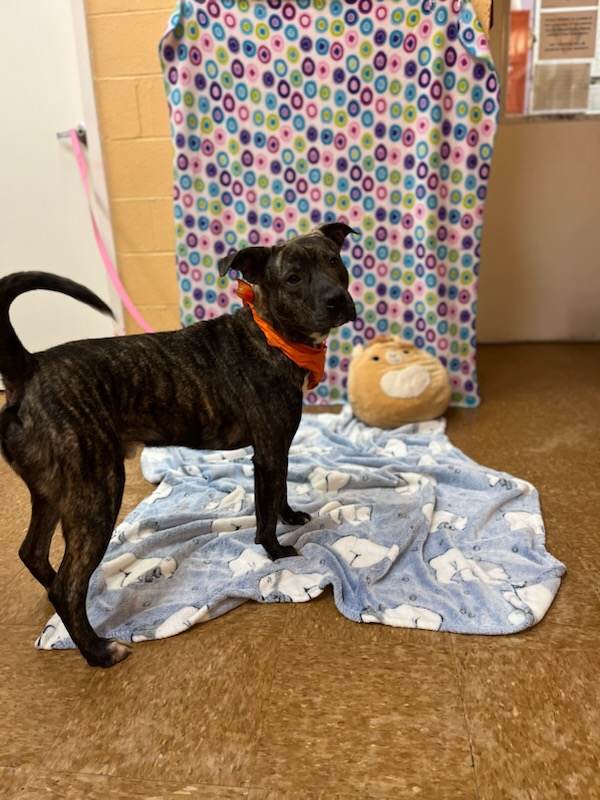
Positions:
(335, 301)
(340, 306)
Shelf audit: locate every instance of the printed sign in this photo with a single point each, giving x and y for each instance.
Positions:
(571, 35)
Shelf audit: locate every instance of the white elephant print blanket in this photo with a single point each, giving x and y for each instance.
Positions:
(406, 529)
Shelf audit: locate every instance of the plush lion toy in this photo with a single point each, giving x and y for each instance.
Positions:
(392, 382)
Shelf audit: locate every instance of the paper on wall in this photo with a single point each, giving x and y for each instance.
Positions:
(570, 35)
(563, 86)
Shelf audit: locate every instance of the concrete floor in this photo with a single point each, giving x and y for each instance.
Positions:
(294, 701)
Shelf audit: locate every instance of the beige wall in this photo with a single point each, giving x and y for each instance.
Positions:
(527, 268)
(540, 266)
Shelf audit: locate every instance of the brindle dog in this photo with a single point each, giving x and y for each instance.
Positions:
(74, 411)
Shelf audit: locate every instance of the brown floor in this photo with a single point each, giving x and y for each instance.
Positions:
(284, 701)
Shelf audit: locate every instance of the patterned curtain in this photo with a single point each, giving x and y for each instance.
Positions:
(381, 113)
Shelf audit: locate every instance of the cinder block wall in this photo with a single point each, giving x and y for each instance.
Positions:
(134, 128)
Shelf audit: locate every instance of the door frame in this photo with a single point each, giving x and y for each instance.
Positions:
(100, 199)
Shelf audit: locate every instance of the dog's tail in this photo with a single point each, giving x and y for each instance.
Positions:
(16, 363)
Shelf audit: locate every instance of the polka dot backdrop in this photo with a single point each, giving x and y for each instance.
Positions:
(286, 115)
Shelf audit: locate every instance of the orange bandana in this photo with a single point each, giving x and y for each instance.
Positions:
(312, 359)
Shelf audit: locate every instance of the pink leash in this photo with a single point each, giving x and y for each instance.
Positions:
(104, 255)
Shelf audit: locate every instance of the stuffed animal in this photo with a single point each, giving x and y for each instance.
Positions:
(392, 382)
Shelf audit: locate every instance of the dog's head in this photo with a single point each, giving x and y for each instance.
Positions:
(301, 286)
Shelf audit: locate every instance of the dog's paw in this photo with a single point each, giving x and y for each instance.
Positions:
(291, 517)
(108, 653)
(277, 551)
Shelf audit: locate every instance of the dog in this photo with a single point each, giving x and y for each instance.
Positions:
(74, 412)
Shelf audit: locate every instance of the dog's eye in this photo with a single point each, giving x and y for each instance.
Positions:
(293, 278)
(334, 260)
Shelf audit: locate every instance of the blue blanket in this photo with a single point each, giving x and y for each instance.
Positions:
(406, 529)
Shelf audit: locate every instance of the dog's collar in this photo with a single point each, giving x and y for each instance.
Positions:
(312, 359)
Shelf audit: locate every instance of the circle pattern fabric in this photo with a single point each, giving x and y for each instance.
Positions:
(379, 113)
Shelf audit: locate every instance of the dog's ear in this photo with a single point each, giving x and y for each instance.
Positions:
(251, 262)
(337, 232)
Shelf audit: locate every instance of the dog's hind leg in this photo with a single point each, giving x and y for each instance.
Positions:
(88, 520)
(35, 549)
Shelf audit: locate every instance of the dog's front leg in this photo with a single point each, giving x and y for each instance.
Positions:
(291, 517)
(270, 473)
(287, 513)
